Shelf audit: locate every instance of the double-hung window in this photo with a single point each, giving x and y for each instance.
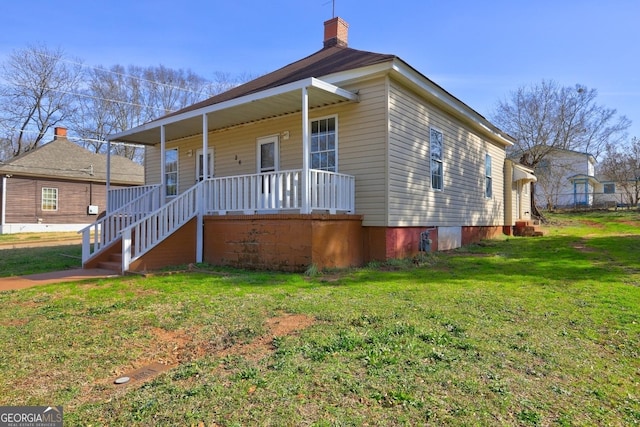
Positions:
(437, 170)
(323, 144)
(49, 199)
(488, 185)
(171, 171)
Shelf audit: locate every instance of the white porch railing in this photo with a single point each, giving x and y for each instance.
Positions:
(332, 191)
(143, 224)
(107, 230)
(141, 236)
(278, 191)
(119, 197)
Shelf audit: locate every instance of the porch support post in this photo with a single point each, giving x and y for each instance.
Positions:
(200, 194)
(108, 209)
(3, 205)
(306, 182)
(163, 160)
(205, 146)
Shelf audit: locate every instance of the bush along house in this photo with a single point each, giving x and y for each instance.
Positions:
(338, 159)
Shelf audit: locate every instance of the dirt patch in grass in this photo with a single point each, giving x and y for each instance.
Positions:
(170, 349)
(262, 346)
(582, 247)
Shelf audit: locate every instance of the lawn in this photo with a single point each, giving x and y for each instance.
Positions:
(517, 331)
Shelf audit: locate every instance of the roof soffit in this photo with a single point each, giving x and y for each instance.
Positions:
(270, 103)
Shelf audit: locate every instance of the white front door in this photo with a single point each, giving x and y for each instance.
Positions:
(268, 162)
(200, 163)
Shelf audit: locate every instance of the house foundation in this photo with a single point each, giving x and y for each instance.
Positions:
(284, 242)
(293, 242)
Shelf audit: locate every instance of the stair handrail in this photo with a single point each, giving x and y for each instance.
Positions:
(106, 230)
(156, 226)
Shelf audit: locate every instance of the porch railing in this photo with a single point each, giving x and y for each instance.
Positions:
(332, 191)
(106, 230)
(140, 237)
(143, 223)
(119, 197)
(278, 191)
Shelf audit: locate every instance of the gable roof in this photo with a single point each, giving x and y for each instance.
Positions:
(277, 93)
(63, 159)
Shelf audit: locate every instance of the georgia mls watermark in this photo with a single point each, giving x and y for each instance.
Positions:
(30, 416)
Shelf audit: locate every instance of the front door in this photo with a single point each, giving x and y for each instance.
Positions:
(268, 156)
(200, 163)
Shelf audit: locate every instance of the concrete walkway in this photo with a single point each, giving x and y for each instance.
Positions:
(22, 282)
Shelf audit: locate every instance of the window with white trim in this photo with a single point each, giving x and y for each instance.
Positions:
(171, 171)
(488, 185)
(437, 168)
(324, 143)
(49, 199)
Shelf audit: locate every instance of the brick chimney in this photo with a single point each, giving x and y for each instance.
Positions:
(336, 32)
(59, 132)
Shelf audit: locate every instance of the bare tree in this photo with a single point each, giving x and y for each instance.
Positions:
(111, 102)
(168, 90)
(36, 96)
(621, 165)
(42, 89)
(117, 99)
(547, 116)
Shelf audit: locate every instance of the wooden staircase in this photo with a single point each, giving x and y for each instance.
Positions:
(527, 228)
(113, 262)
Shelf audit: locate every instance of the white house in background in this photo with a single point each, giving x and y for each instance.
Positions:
(610, 193)
(566, 178)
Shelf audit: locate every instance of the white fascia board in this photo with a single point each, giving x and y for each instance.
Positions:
(289, 87)
(447, 99)
(328, 87)
(400, 67)
(357, 74)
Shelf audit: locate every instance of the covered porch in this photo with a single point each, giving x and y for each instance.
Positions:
(140, 219)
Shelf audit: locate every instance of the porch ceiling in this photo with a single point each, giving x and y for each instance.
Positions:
(276, 102)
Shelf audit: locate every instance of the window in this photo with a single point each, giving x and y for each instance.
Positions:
(435, 139)
(323, 144)
(49, 199)
(488, 187)
(610, 188)
(268, 154)
(171, 171)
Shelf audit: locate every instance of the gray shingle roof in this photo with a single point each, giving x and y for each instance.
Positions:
(64, 159)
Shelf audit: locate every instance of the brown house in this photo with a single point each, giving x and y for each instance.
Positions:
(59, 186)
(335, 160)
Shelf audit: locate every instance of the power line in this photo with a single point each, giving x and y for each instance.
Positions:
(104, 70)
(84, 95)
(73, 138)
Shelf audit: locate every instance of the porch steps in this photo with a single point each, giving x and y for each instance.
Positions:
(527, 229)
(113, 263)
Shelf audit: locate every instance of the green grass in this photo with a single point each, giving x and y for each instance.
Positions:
(518, 331)
(23, 261)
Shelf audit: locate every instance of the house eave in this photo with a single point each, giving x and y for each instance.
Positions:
(406, 74)
(266, 104)
(582, 177)
(448, 102)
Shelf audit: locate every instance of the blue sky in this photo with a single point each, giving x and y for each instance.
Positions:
(479, 51)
